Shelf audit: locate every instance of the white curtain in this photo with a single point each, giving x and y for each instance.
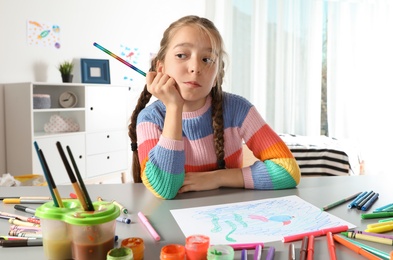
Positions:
(360, 88)
(275, 58)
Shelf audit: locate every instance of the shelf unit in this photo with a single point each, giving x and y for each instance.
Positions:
(100, 147)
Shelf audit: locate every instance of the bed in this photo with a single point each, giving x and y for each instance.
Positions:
(322, 155)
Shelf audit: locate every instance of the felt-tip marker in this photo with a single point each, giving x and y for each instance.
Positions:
(21, 242)
(25, 209)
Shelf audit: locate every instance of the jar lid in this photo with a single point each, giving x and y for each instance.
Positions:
(48, 210)
(104, 212)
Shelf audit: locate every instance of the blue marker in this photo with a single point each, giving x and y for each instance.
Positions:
(123, 220)
(356, 200)
(356, 204)
(370, 202)
(383, 207)
(244, 254)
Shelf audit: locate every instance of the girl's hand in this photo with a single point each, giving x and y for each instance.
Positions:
(164, 88)
(197, 181)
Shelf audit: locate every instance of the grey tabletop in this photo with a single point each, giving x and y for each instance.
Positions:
(319, 191)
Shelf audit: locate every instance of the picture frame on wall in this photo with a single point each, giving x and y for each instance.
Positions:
(95, 71)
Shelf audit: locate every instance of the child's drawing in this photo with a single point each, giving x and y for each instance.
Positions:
(43, 34)
(255, 221)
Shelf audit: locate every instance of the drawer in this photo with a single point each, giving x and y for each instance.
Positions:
(76, 142)
(99, 164)
(104, 142)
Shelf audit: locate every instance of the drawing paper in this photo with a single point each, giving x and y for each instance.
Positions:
(265, 220)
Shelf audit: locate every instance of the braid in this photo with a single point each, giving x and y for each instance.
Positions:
(218, 127)
(144, 98)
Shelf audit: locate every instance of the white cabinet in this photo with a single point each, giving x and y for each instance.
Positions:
(100, 146)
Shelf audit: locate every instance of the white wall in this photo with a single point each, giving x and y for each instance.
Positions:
(109, 23)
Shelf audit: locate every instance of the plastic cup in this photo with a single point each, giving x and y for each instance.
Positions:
(92, 232)
(136, 244)
(196, 247)
(55, 239)
(173, 252)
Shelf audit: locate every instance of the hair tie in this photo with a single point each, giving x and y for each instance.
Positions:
(134, 147)
(221, 164)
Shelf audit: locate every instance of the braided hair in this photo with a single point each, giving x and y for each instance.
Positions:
(216, 93)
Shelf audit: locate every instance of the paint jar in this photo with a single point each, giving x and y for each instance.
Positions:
(173, 252)
(122, 253)
(92, 232)
(136, 244)
(196, 247)
(55, 239)
(220, 252)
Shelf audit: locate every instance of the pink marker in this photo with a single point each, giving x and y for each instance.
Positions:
(245, 246)
(149, 227)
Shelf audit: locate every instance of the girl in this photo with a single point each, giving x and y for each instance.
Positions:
(190, 139)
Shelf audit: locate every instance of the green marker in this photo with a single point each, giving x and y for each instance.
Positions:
(377, 215)
(385, 220)
(370, 249)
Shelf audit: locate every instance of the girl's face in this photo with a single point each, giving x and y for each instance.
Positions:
(192, 64)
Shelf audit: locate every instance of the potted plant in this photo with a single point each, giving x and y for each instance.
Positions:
(65, 69)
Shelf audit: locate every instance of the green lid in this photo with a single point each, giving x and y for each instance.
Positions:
(103, 212)
(49, 211)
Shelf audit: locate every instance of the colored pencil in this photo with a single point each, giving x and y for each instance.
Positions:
(90, 206)
(71, 175)
(341, 201)
(119, 59)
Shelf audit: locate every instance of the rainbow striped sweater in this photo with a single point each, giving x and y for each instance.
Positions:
(164, 162)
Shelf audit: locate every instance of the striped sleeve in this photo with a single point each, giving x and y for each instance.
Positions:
(162, 160)
(277, 167)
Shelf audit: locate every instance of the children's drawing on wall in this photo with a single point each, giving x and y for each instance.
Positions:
(137, 57)
(43, 34)
(131, 55)
(265, 220)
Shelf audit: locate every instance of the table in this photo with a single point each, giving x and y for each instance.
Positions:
(319, 191)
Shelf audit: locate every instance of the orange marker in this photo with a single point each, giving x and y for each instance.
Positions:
(357, 249)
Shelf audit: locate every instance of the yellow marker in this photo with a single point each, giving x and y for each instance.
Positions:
(380, 229)
(379, 224)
